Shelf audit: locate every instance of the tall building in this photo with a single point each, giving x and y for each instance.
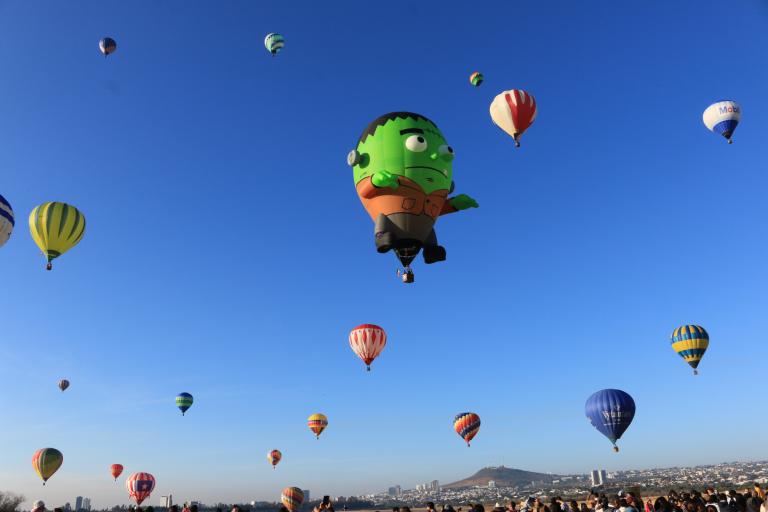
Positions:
(434, 485)
(399, 490)
(603, 477)
(306, 495)
(87, 504)
(595, 477)
(491, 484)
(392, 492)
(78, 504)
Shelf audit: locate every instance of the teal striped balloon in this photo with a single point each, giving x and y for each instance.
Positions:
(274, 42)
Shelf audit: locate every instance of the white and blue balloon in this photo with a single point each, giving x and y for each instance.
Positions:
(723, 117)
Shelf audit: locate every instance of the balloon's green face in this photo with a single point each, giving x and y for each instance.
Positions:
(414, 148)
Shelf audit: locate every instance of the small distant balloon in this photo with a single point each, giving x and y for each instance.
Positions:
(514, 112)
(467, 425)
(690, 342)
(107, 46)
(63, 384)
(140, 486)
(292, 498)
(7, 220)
(116, 470)
(367, 341)
(723, 117)
(184, 402)
(476, 78)
(274, 42)
(274, 457)
(317, 423)
(610, 411)
(46, 462)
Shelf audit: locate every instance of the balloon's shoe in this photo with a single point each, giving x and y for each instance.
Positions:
(433, 254)
(384, 241)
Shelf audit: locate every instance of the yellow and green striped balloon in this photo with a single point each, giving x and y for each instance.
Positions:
(690, 342)
(56, 228)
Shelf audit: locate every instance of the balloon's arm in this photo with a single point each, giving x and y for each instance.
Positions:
(380, 183)
(459, 202)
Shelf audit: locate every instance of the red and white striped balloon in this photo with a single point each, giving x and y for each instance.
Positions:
(367, 341)
(514, 111)
(140, 486)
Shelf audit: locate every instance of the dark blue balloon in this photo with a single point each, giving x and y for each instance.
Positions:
(610, 411)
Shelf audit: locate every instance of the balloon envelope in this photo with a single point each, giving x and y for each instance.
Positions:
(63, 384)
(514, 111)
(690, 342)
(476, 78)
(722, 117)
(317, 423)
(274, 42)
(46, 462)
(466, 424)
(367, 341)
(7, 220)
(292, 498)
(184, 402)
(107, 46)
(274, 457)
(140, 486)
(610, 411)
(115, 470)
(56, 228)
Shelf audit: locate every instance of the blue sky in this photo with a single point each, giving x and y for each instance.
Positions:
(227, 254)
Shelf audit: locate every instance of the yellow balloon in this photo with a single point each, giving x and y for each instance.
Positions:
(56, 228)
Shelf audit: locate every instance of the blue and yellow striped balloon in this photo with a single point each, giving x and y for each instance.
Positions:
(690, 342)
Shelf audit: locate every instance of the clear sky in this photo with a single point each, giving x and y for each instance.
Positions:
(227, 254)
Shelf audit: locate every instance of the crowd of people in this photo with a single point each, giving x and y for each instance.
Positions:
(710, 500)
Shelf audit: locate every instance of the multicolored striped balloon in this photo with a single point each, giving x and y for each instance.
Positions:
(140, 486)
(514, 111)
(317, 423)
(466, 424)
(116, 470)
(63, 384)
(46, 462)
(56, 228)
(292, 498)
(274, 458)
(107, 46)
(367, 341)
(7, 220)
(184, 402)
(274, 42)
(690, 342)
(476, 78)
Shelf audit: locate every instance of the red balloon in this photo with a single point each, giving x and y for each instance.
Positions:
(140, 486)
(116, 470)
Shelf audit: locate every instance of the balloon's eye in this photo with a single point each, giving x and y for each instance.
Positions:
(445, 150)
(416, 143)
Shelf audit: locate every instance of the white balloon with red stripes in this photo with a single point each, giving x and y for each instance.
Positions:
(367, 341)
(514, 111)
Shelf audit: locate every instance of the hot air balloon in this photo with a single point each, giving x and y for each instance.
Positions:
(292, 498)
(723, 117)
(476, 78)
(184, 402)
(317, 423)
(367, 341)
(690, 342)
(116, 470)
(140, 486)
(274, 42)
(610, 411)
(63, 384)
(107, 46)
(46, 462)
(466, 424)
(7, 221)
(56, 228)
(274, 457)
(514, 111)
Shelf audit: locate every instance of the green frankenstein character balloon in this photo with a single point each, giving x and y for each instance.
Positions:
(403, 170)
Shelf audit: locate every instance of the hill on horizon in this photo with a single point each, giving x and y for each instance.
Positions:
(503, 476)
